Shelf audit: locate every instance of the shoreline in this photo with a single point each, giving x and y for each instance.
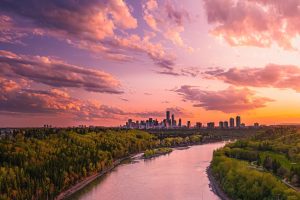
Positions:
(84, 182)
(87, 180)
(215, 186)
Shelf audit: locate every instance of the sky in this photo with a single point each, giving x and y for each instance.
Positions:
(101, 62)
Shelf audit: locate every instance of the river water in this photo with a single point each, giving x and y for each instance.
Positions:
(180, 175)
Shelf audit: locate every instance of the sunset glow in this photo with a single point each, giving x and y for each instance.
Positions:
(101, 62)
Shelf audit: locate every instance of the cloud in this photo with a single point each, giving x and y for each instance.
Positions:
(230, 100)
(142, 45)
(179, 112)
(272, 75)
(124, 99)
(56, 73)
(188, 71)
(9, 34)
(125, 49)
(87, 19)
(94, 25)
(15, 99)
(167, 19)
(255, 22)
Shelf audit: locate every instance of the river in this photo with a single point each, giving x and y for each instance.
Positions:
(179, 175)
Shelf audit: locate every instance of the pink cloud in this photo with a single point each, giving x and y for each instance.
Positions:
(8, 33)
(255, 22)
(56, 73)
(230, 100)
(92, 20)
(15, 99)
(91, 26)
(272, 75)
(166, 19)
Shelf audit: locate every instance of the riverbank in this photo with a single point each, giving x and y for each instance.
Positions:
(83, 183)
(215, 186)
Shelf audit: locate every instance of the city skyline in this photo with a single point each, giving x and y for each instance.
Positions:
(171, 123)
(102, 62)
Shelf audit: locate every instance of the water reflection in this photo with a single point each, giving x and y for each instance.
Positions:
(179, 175)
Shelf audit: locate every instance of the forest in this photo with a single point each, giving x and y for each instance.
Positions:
(265, 166)
(39, 165)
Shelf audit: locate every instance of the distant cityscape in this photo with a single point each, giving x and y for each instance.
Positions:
(170, 122)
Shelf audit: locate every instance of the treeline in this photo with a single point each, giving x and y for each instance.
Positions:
(40, 168)
(261, 167)
(40, 165)
(181, 141)
(150, 153)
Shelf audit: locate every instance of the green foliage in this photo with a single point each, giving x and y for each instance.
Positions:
(156, 152)
(274, 155)
(239, 181)
(40, 166)
(180, 141)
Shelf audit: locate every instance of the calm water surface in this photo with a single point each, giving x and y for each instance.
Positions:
(179, 175)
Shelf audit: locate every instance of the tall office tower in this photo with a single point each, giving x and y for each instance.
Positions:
(238, 121)
(168, 118)
(226, 124)
(179, 122)
(173, 120)
(129, 123)
(188, 124)
(221, 124)
(231, 122)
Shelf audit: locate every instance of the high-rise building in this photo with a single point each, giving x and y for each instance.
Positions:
(221, 124)
(210, 125)
(231, 122)
(179, 122)
(256, 125)
(198, 124)
(168, 115)
(165, 123)
(129, 123)
(173, 120)
(226, 124)
(238, 121)
(168, 119)
(188, 124)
